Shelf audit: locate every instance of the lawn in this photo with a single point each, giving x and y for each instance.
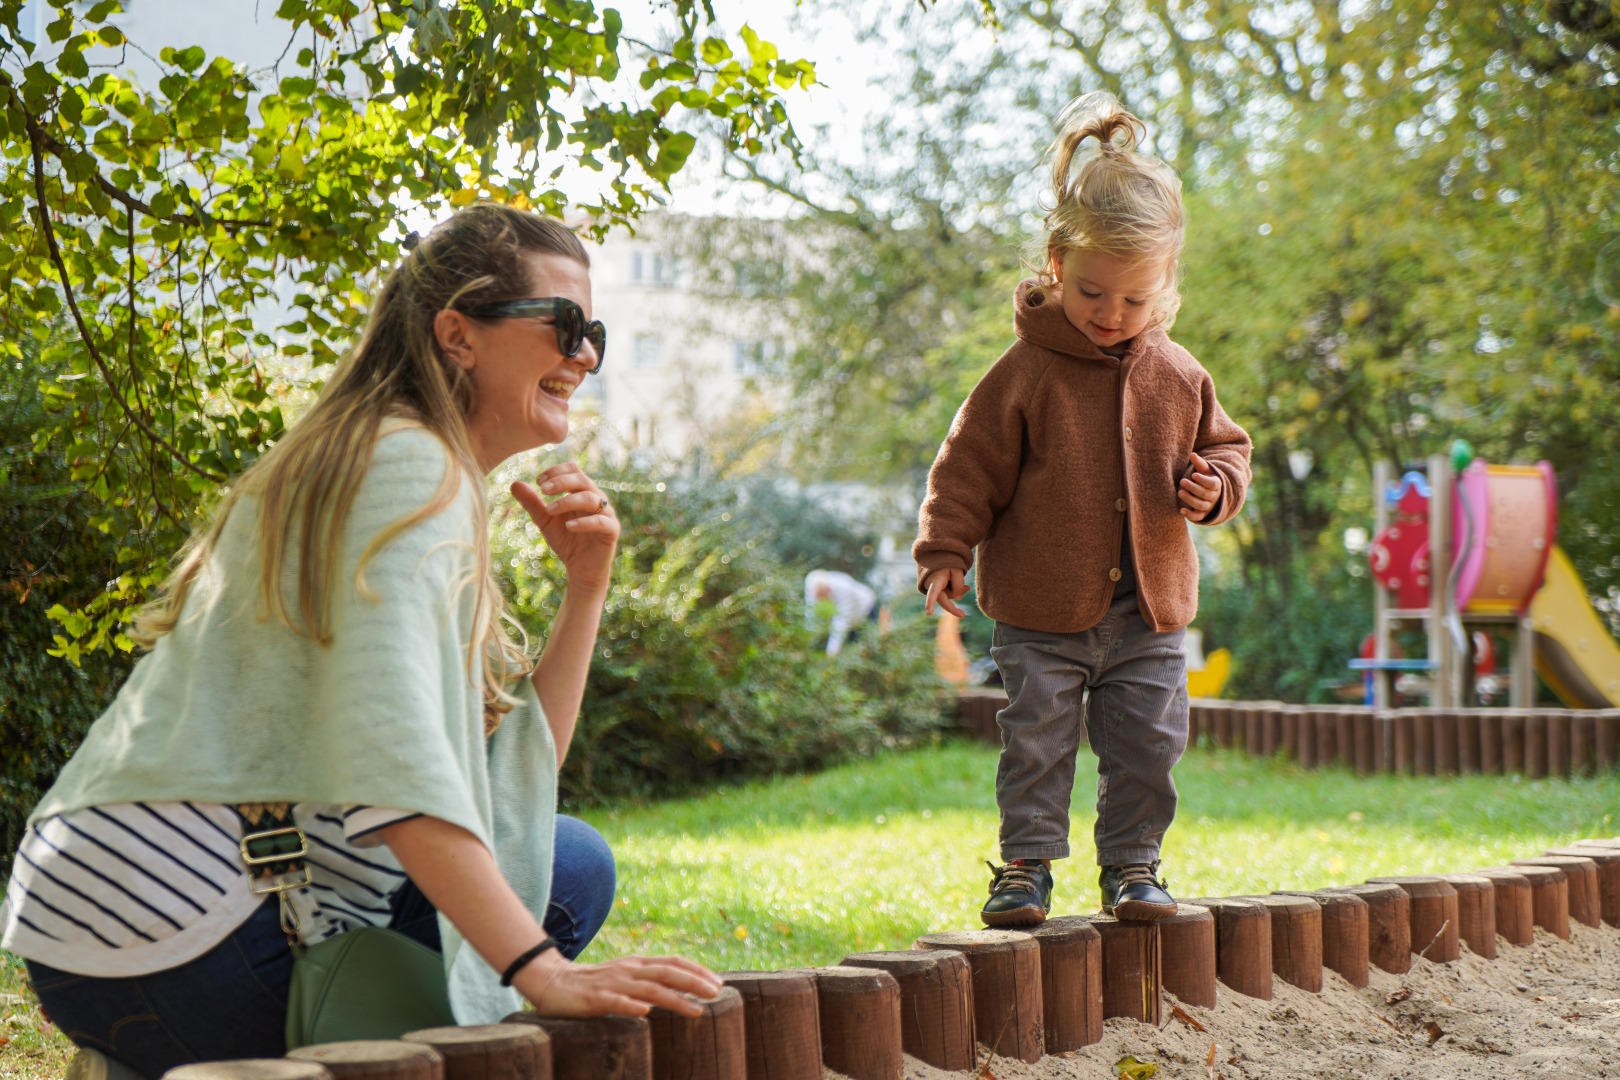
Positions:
(805, 869)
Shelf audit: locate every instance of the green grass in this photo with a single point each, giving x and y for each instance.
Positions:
(803, 870)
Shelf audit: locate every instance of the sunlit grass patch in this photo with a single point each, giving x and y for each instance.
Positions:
(805, 869)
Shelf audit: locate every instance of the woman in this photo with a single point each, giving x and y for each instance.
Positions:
(329, 662)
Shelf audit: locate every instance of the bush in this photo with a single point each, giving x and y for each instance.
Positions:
(55, 553)
(705, 668)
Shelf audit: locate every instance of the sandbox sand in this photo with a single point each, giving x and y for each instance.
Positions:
(1550, 1009)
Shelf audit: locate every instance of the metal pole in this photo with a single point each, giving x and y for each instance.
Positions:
(1443, 676)
(1380, 677)
(1524, 663)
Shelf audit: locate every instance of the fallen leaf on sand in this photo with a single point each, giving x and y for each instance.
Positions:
(4, 1040)
(1435, 1032)
(1186, 1018)
(1209, 1062)
(1129, 1068)
(1397, 995)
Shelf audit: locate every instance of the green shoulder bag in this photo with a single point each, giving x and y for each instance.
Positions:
(370, 983)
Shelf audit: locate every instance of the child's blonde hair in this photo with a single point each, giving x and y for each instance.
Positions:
(1111, 199)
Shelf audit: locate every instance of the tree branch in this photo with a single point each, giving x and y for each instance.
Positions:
(35, 140)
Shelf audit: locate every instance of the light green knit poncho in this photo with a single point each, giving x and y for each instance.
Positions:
(233, 707)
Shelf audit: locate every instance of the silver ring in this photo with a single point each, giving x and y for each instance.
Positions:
(602, 505)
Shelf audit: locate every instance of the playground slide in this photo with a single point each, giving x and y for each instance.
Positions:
(1574, 653)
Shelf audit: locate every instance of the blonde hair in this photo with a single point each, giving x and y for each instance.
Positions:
(1111, 199)
(307, 482)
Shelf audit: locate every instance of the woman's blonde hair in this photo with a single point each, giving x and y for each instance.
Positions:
(307, 482)
(1111, 199)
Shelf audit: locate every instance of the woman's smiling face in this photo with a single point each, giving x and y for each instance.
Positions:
(1109, 298)
(521, 380)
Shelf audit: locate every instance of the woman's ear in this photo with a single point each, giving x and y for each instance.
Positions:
(450, 330)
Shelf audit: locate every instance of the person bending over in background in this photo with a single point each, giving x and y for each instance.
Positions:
(1073, 467)
(852, 602)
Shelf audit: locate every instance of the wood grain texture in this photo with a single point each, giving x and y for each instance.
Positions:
(375, 1059)
(1071, 982)
(1389, 926)
(1476, 912)
(781, 1023)
(250, 1069)
(1006, 964)
(1187, 955)
(860, 1022)
(1344, 933)
(708, 1046)
(597, 1047)
(1242, 943)
(489, 1051)
(1132, 972)
(1296, 940)
(936, 1003)
(1433, 916)
(1608, 877)
(1585, 888)
(1549, 896)
(1515, 907)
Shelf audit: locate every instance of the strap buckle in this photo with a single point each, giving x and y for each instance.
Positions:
(277, 852)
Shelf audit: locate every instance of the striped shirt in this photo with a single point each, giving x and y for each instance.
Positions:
(132, 888)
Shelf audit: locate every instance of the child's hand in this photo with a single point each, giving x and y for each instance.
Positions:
(1200, 490)
(943, 588)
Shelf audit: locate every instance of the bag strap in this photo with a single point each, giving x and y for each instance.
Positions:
(274, 849)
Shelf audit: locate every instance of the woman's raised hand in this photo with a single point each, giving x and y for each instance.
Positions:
(628, 986)
(578, 524)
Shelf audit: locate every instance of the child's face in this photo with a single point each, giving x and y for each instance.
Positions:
(1108, 298)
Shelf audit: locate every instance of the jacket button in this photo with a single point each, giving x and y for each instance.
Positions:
(1114, 574)
(1119, 504)
(1127, 434)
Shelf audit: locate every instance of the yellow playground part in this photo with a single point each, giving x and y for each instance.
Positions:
(1575, 655)
(1206, 675)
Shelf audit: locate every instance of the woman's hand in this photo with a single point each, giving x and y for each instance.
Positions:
(628, 986)
(579, 524)
(943, 587)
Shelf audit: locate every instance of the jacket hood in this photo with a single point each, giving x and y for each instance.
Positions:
(1039, 319)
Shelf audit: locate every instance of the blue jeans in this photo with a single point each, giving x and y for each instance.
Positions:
(231, 1002)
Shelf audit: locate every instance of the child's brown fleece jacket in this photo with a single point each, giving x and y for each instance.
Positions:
(1050, 452)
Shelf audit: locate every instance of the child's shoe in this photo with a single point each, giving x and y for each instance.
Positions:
(1020, 894)
(1134, 893)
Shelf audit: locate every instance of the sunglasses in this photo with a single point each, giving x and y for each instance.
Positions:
(572, 329)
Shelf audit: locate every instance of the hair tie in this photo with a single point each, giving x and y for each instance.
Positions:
(412, 239)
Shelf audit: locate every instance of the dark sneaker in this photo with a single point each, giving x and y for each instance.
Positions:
(1020, 894)
(1135, 893)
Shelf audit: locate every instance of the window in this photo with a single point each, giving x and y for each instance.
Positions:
(645, 352)
(751, 357)
(654, 268)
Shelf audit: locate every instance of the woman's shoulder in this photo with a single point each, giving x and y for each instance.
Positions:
(412, 472)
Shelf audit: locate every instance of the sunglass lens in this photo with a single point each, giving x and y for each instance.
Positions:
(596, 334)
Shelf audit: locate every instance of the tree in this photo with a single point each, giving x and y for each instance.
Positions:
(162, 223)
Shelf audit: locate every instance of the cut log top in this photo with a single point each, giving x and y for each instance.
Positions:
(978, 941)
(1285, 902)
(1418, 886)
(1602, 856)
(374, 1057)
(837, 979)
(728, 1000)
(1327, 899)
(589, 1029)
(1534, 873)
(898, 962)
(770, 983)
(250, 1069)
(1371, 890)
(1228, 906)
(1065, 929)
(469, 1038)
(1508, 876)
(1467, 882)
(1188, 913)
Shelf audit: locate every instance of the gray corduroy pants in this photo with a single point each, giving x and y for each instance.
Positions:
(1135, 715)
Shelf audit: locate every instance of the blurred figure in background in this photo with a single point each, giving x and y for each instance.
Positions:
(851, 603)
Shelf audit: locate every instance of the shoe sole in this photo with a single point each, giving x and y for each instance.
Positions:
(1140, 911)
(1024, 916)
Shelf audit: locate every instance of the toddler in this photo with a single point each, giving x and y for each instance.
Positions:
(1072, 468)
